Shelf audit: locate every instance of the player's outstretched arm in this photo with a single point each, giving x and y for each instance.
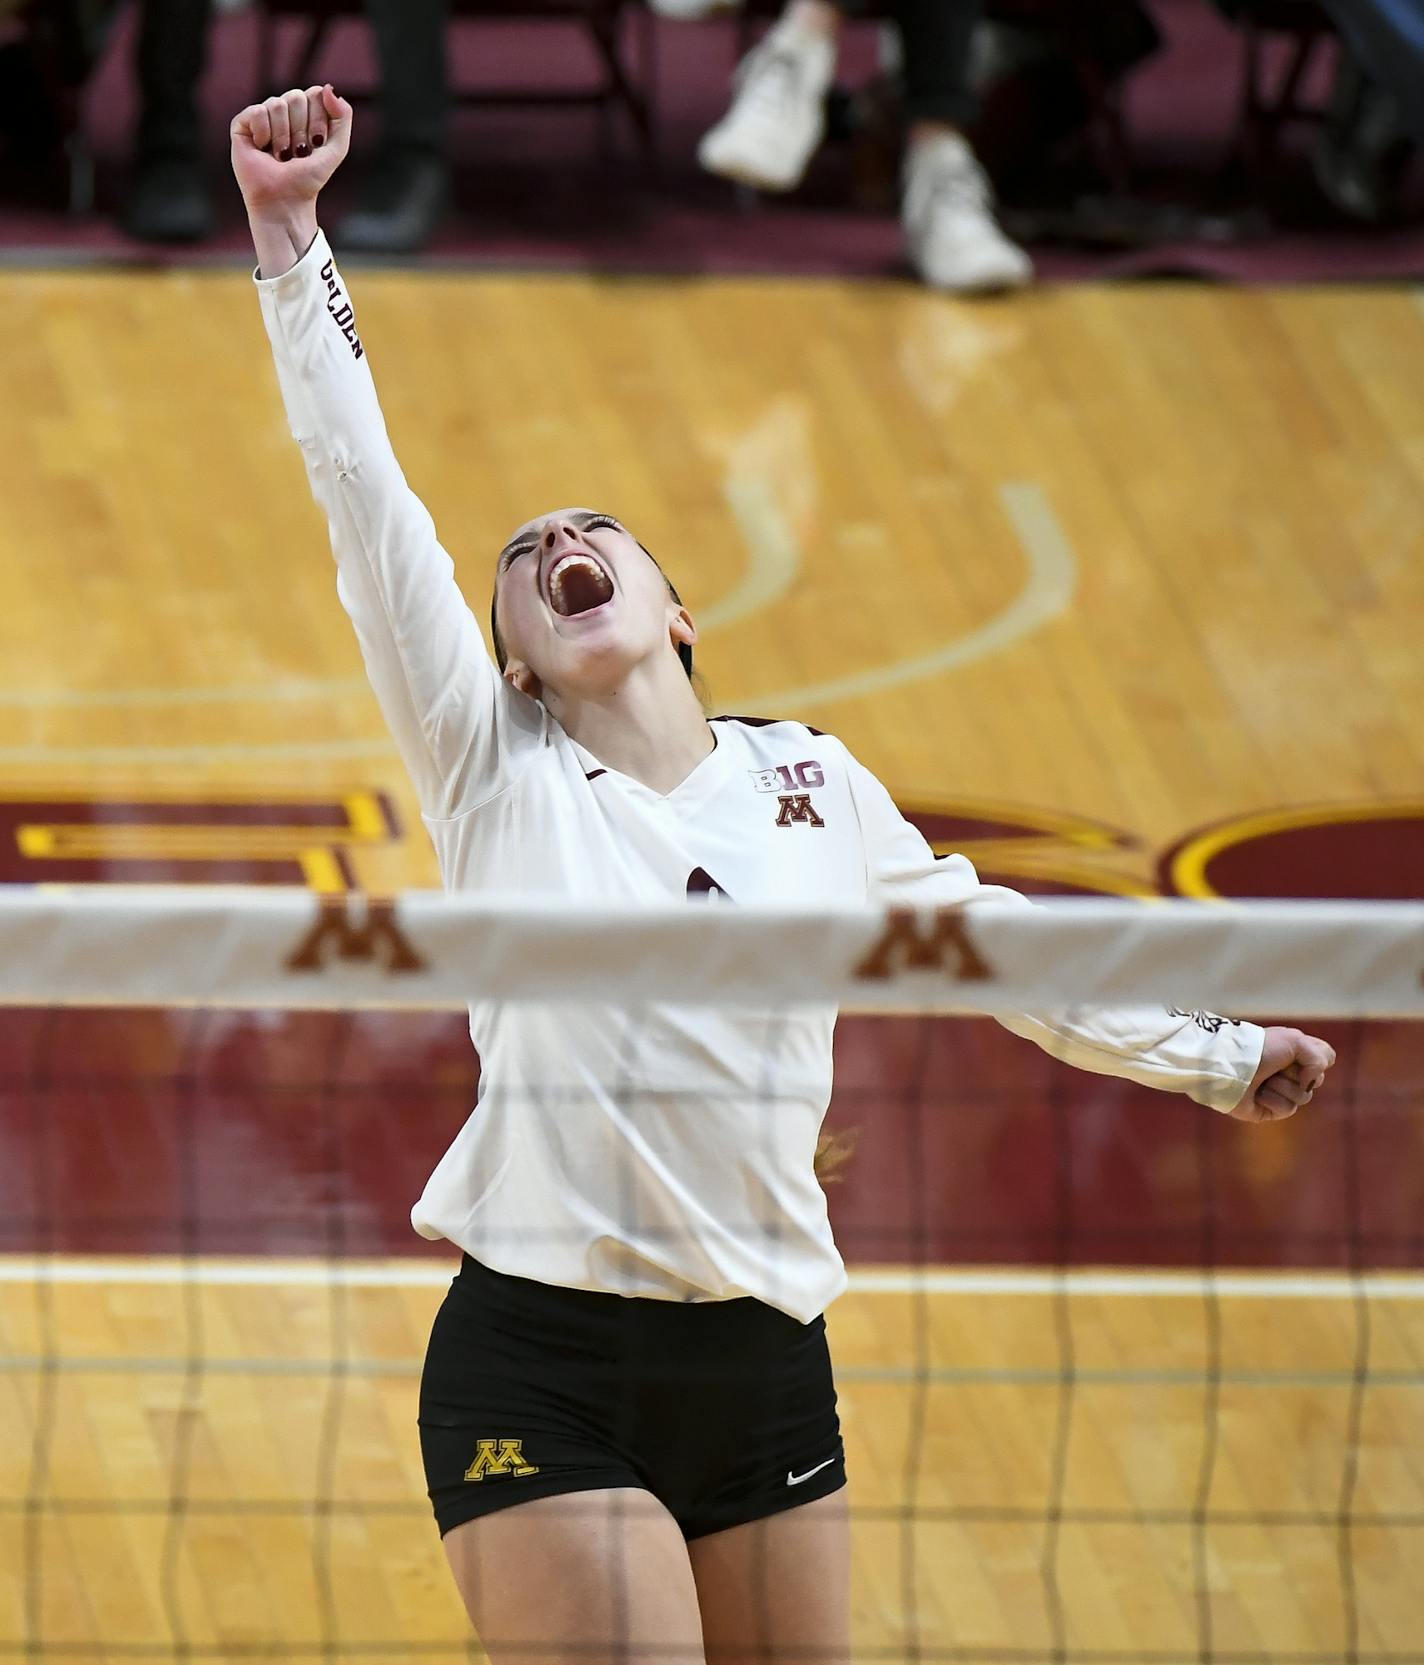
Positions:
(283, 153)
(1253, 1074)
(460, 730)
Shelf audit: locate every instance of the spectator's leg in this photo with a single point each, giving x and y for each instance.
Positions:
(823, 17)
(936, 36)
(778, 116)
(407, 190)
(951, 235)
(1376, 121)
(415, 81)
(1387, 36)
(168, 199)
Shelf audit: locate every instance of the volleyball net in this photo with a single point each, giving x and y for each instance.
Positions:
(1122, 1381)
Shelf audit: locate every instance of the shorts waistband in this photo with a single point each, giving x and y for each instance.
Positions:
(602, 1307)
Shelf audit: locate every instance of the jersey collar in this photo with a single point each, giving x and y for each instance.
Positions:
(692, 789)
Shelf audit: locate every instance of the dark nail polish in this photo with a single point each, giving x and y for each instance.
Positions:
(317, 140)
(284, 155)
(303, 150)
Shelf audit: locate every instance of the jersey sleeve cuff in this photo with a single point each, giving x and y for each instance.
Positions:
(299, 272)
(1245, 1043)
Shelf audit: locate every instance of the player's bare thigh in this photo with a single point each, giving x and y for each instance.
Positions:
(586, 1578)
(777, 1589)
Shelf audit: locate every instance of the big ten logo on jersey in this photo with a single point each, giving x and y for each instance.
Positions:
(793, 807)
(159, 838)
(788, 777)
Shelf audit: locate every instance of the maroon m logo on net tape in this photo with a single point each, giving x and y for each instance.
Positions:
(945, 945)
(340, 931)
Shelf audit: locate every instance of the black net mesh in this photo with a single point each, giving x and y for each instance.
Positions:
(1120, 1380)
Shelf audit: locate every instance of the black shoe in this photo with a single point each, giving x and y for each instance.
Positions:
(31, 127)
(1363, 150)
(168, 202)
(400, 205)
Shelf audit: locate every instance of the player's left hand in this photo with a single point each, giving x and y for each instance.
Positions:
(1293, 1066)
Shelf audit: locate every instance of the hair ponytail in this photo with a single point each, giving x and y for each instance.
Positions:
(833, 1154)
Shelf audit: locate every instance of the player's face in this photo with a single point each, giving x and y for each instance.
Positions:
(580, 602)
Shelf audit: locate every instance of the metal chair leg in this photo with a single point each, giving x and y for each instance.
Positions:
(604, 30)
(266, 53)
(305, 66)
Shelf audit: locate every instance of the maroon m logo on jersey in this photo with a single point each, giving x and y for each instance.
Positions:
(797, 806)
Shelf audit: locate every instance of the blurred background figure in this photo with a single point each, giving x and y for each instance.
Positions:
(47, 51)
(168, 198)
(27, 120)
(1375, 124)
(777, 122)
(405, 190)
(1129, 134)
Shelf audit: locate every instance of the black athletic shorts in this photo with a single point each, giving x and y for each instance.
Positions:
(724, 1410)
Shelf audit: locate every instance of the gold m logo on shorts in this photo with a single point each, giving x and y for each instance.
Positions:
(374, 934)
(945, 946)
(499, 1457)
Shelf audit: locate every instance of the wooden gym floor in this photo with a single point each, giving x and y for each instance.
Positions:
(1122, 590)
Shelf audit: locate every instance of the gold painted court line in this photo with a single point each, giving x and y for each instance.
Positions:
(1192, 859)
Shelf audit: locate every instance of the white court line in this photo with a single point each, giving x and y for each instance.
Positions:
(773, 559)
(773, 554)
(1047, 591)
(311, 1274)
(303, 751)
(281, 690)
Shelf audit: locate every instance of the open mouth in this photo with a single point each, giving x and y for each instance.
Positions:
(578, 584)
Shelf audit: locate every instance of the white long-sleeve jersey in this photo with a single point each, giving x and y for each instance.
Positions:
(669, 1152)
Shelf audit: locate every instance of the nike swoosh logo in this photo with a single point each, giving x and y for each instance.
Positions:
(796, 1479)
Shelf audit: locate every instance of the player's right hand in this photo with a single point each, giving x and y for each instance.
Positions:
(1292, 1070)
(285, 149)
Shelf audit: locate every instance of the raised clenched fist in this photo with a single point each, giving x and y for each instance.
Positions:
(285, 149)
(1292, 1070)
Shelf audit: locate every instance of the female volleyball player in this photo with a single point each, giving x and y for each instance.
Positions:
(627, 1414)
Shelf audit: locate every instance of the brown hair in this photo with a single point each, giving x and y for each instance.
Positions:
(833, 1153)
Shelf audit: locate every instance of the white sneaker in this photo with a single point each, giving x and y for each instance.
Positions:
(951, 235)
(778, 116)
(692, 11)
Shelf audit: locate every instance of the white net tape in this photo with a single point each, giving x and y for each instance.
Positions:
(271, 947)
